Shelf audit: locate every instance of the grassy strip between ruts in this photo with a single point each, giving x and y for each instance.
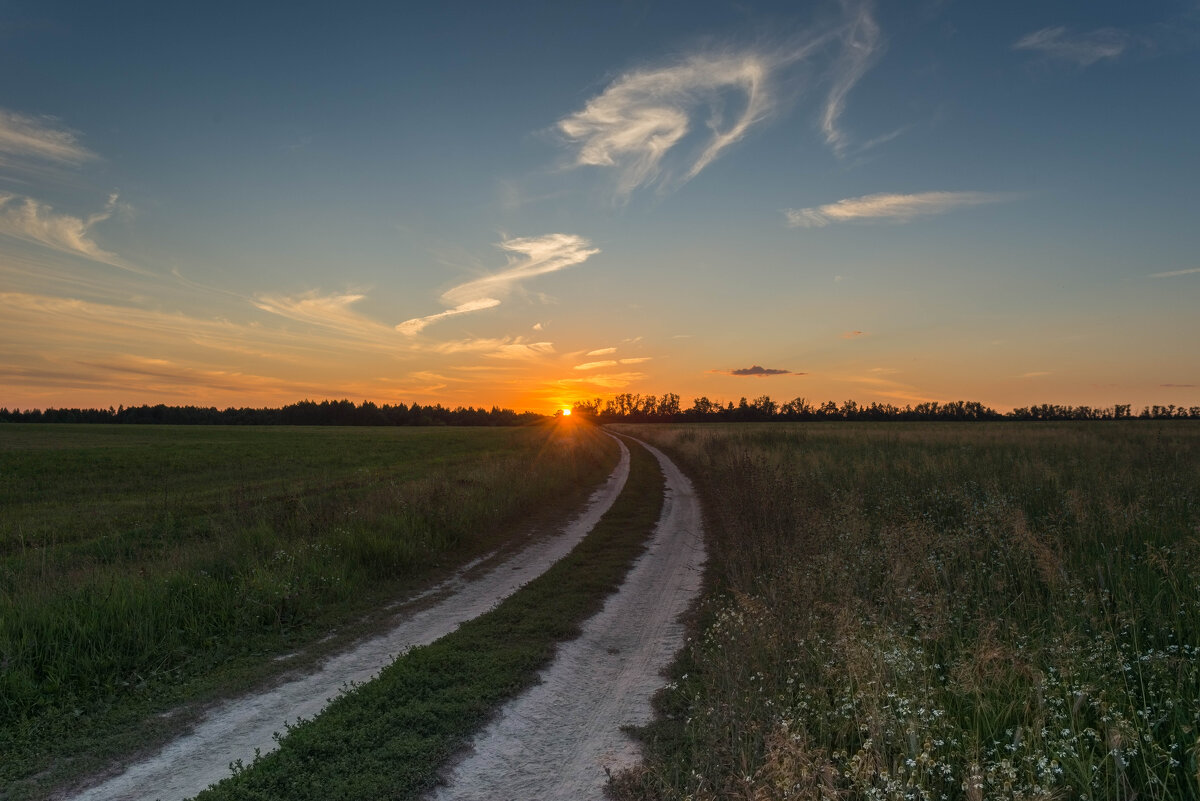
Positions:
(390, 737)
(147, 571)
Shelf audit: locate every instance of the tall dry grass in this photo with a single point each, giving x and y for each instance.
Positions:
(934, 611)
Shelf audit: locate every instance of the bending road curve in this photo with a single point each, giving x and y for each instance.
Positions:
(559, 740)
(236, 729)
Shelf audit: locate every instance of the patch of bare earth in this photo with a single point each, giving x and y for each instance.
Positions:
(561, 738)
(238, 729)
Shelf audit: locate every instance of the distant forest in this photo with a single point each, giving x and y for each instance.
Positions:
(637, 408)
(304, 413)
(627, 407)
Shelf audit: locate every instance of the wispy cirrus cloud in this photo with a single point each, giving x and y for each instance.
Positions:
(894, 207)
(643, 115)
(509, 348)
(1176, 273)
(25, 139)
(611, 362)
(1083, 49)
(601, 351)
(757, 371)
(334, 311)
(528, 257)
(29, 220)
(647, 114)
(417, 324)
(860, 50)
(603, 380)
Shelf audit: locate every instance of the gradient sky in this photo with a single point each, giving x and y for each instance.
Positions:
(524, 205)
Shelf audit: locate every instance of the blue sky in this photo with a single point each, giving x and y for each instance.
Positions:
(484, 203)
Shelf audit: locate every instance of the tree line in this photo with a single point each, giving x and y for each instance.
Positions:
(626, 407)
(629, 407)
(304, 413)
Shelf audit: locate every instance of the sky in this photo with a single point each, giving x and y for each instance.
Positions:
(528, 204)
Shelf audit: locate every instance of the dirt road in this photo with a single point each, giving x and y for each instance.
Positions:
(235, 729)
(557, 740)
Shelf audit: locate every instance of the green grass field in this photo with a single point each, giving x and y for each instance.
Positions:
(144, 567)
(901, 611)
(391, 737)
(931, 611)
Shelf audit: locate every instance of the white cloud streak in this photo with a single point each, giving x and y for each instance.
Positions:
(860, 50)
(418, 324)
(508, 348)
(1083, 49)
(604, 380)
(595, 365)
(327, 311)
(23, 138)
(898, 208)
(1175, 273)
(28, 220)
(528, 257)
(646, 114)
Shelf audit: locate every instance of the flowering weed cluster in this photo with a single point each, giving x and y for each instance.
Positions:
(972, 612)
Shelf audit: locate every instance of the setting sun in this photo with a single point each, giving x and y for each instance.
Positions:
(566, 412)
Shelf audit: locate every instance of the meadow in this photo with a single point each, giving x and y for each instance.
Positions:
(934, 611)
(145, 567)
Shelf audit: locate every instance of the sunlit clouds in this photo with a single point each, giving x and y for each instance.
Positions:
(602, 381)
(611, 362)
(26, 140)
(519, 207)
(860, 49)
(1176, 273)
(32, 222)
(528, 257)
(1083, 49)
(757, 371)
(896, 208)
(418, 324)
(333, 312)
(638, 119)
(644, 115)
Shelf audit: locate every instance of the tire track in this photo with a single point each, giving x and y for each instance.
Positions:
(237, 729)
(561, 738)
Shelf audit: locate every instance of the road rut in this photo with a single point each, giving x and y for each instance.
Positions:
(236, 729)
(560, 738)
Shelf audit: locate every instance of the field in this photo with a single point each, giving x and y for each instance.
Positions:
(144, 567)
(891, 611)
(936, 611)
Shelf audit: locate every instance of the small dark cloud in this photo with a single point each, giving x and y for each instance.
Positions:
(757, 370)
(1180, 386)
(853, 334)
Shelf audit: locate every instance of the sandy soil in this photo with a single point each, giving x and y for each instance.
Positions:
(238, 728)
(560, 738)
